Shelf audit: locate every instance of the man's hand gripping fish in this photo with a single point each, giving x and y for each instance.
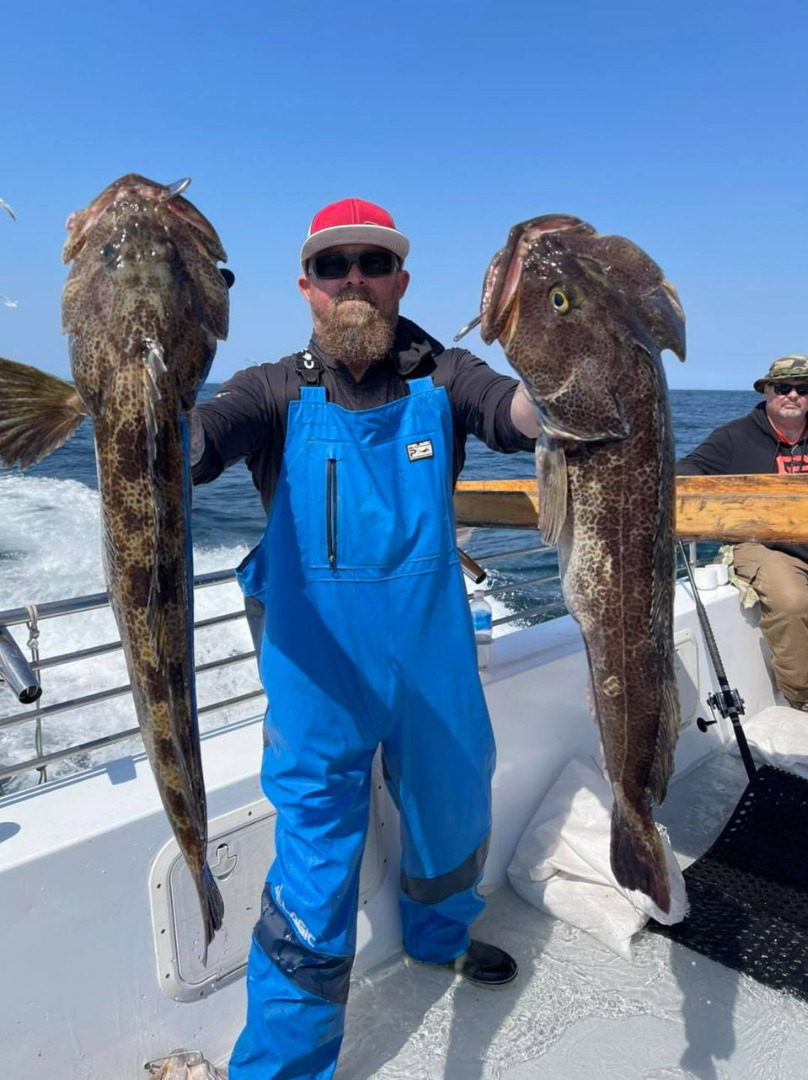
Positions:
(145, 304)
(583, 319)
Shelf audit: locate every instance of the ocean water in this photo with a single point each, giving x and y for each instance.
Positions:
(50, 548)
(227, 517)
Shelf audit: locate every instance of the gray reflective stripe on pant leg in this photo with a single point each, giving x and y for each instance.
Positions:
(324, 976)
(434, 890)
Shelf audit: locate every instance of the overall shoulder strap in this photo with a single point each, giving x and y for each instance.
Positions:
(308, 368)
(313, 393)
(420, 386)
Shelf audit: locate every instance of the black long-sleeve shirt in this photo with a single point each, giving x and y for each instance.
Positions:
(247, 418)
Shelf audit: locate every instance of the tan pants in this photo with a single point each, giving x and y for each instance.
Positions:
(781, 582)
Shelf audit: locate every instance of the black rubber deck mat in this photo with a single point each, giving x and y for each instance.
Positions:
(749, 893)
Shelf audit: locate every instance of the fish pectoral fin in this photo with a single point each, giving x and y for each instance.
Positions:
(551, 473)
(38, 412)
(153, 372)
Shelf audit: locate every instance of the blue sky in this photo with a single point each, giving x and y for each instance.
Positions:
(682, 126)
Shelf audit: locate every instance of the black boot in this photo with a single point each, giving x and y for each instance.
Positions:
(484, 965)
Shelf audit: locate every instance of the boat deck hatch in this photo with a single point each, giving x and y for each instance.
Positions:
(240, 849)
(749, 893)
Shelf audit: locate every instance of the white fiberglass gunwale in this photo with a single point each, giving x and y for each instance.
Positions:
(85, 990)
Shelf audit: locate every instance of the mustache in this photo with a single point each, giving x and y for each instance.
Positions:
(355, 292)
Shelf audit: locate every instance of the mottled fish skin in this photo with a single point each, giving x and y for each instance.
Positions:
(144, 304)
(583, 319)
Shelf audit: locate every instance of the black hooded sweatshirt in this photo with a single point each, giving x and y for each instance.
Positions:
(744, 446)
(247, 418)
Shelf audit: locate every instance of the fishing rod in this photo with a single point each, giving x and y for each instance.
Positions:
(471, 568)
(729, 703)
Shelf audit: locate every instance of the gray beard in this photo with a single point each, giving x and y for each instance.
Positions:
(356, 333)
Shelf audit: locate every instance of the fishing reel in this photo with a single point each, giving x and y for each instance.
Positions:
(728, 703)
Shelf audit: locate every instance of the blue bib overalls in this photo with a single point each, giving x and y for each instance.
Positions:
(367, 639)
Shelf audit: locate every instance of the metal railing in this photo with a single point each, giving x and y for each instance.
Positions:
(39, 714)
(537, 609)
(36, 714)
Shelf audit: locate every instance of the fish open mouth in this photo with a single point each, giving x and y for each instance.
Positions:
(502, 288)
(80, 222)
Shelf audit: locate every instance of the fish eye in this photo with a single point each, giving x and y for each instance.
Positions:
(559, 301)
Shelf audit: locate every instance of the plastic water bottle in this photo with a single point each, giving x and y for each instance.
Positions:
(482, 620)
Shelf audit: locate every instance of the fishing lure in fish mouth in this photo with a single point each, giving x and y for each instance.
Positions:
(177, 187)
(469, 326)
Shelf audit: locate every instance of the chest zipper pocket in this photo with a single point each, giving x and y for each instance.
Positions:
(331, 511)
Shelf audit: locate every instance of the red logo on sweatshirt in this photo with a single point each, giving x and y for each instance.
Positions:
(792, 463)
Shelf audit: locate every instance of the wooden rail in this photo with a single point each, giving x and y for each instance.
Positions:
(707, 507)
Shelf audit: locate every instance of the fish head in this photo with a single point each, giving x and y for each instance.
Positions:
(575, 312)
(124, 197)
(135, 224)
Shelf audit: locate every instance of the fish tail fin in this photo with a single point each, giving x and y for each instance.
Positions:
(637, 857)
(212, 905)
(39, 412)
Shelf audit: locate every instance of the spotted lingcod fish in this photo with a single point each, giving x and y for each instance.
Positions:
(145, 304)
(583, 319)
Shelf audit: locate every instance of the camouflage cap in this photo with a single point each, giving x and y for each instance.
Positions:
(787, 368)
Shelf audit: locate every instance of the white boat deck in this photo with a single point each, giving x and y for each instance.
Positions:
(92, 992)
(578, 1011)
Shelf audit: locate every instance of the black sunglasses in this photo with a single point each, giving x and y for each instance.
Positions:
(786, 388)
(336, 264)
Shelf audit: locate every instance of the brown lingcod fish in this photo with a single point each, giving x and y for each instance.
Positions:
(145, 304)
(583, 319)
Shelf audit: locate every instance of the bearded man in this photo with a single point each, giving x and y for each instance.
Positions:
(364, 635)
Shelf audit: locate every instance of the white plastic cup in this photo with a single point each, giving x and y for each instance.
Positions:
(721, 573)
(705, 578)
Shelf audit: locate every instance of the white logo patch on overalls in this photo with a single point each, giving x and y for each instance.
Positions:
(418, 450)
